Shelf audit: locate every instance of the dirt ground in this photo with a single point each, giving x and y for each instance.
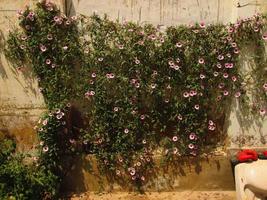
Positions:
(184, 195)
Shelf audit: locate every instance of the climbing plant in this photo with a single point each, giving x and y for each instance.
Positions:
(138, 90)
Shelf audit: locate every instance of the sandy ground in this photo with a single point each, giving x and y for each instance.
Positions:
(184, 195)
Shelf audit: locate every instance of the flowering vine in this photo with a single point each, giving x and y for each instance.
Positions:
(137, 89)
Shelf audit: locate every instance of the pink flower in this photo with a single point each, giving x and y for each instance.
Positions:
(45, 122)
(142, 117)
(89, 93)
(118, 172)
(152, 37)
(153, 85)
(192, 136)
(48, 61)
(166, 100)
(110, 75)
(211, 123)
(41, 143)
(137, 85)
(229, 38)
(137, 61)
(233, 44)
(228, 55)
(68, 22)
(176, 67)
(219, 65)
(100, 59)
(197, 107)
(219, 98)
(72, 141)
(192, 93)
(43, 48)
(221, 85)
(171, 63)
(225, 75)
(179, 117)
(202, 25)
(201, 61)
(23, 37)
(211, 128)
(93, 75)
(234, 78)
(74, 18)
(237, 94)
(230, 65)
(230, 30)
(264, 36)
(175, 150)
(115, 109)
(126, 130)
(202, 76)
(49, 37)
(143, 178)
(22, 46)
(65, 48)
(59, 116)
(225, 92)
(215, 74)
(179, 44)
(193, 153)
(161, 40)
(144, 141)
(175, 138)
(131, 171)
(265, 86)
(45, 149)
(120, 46)
(191, 146)
(220, 57)
(53, 65)
(262, 111)
(186, 94)
(236, 51)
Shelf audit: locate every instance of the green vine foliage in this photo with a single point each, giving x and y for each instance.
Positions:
(20, 181)
(139, 91)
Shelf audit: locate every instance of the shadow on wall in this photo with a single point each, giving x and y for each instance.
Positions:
(250, 123)
(2, 44)
(28, 82)
(198, 174)
(69, 8)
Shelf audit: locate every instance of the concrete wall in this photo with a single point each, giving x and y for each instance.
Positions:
(21, 104)
(170, 12)
(20, 100)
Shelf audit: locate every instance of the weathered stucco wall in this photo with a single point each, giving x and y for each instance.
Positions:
(169, 12)
(20, 100)
(21, 103)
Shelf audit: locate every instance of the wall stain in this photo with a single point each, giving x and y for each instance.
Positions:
(218, 10)
(140, 14)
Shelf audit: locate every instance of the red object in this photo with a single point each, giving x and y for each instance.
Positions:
(247, 155)
(265, 153)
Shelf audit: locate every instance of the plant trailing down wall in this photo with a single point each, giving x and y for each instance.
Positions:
(138, 89)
